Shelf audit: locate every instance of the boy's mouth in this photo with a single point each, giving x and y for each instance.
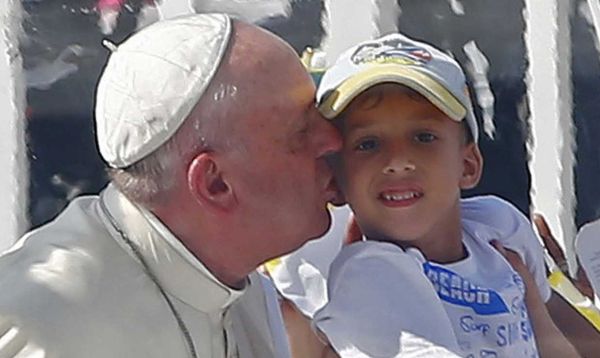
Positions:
(397, 198)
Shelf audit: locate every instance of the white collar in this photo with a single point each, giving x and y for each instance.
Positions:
(177, 270)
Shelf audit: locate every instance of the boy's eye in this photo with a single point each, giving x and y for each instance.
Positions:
(425, 137)
(366, 145)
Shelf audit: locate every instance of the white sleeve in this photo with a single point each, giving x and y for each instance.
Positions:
(275, 318)
(382, 305)
(508, 225)
(14, 342)
(301, 276)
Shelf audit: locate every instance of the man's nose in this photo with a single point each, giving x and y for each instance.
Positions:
(328, 139)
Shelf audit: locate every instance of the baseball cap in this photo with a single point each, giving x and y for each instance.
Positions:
(153, 80)
(398, 59)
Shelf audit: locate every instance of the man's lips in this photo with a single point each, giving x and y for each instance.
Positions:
(400, 197)
(333, 193)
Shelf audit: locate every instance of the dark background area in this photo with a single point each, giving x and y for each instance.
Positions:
(63, 157)
(497, 28)
(586, 111)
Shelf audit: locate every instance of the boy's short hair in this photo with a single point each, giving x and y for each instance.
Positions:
(398, 59)
(372, 97)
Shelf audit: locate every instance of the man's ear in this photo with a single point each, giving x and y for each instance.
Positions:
(206, 183)
(472, 166)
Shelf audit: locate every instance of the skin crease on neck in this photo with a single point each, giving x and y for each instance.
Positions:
(402, 167)
(262, 188)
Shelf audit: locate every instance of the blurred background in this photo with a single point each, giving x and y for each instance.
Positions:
(533, 67)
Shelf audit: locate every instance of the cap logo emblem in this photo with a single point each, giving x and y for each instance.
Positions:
(390, 51)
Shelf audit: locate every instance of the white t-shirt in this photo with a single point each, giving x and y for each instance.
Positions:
(484, 219)
(484, 300)
(381, 305)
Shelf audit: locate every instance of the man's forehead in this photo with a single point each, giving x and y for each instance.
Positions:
(293, 90)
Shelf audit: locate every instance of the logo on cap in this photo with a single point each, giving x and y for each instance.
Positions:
(390, 51)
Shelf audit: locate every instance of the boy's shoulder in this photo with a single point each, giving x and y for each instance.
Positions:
(491, 210)
(492, 215)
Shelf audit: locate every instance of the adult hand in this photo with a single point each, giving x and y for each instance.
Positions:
(580, 281)
(550, 340)
(532, 294)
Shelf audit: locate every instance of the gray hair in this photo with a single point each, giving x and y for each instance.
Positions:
(151, 178)
(210, 126)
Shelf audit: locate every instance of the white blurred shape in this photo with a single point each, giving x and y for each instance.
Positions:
(457, 7)
(346, 26)
(108, 21)
(591, 13)
(551, 143)
(148, 15)
(172, 8)
(386, 16)
(13, 149)
(44, 75)
(587, 247)
(318, 60)
(247, 10)
(478, 67)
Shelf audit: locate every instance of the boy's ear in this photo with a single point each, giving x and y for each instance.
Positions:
(207, 184)
(472, 166)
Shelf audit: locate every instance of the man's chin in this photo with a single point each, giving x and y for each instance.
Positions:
(326, 225)
(338, 199)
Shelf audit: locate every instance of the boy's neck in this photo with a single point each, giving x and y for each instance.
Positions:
(444, 243)
(445, 254)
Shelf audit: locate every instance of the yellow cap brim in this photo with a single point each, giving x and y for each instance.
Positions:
(336, 101)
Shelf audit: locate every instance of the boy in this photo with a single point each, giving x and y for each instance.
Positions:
(410, 147)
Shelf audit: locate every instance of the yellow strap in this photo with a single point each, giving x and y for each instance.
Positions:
(271, 265)
(564, 287)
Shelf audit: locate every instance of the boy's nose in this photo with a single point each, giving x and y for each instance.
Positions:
(399, 166)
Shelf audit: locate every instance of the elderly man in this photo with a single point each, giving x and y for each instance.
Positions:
(217, 158)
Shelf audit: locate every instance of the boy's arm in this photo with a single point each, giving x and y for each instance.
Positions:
(382, 305)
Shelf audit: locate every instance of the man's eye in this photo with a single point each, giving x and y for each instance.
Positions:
(366, 145)
(425, 137)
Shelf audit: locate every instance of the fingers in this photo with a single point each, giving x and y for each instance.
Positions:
(549, 241)
(581, 281)
(353, 233)
(583, 284)
(541, 225)
(512, 257)
(498, 246)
